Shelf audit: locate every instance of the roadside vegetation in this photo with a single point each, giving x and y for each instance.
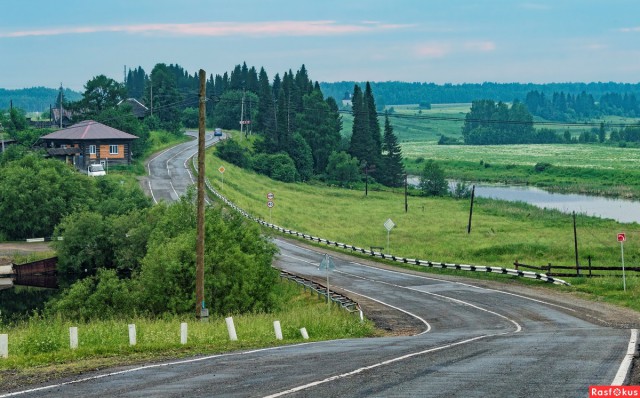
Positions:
(435, 228)
(39, 346)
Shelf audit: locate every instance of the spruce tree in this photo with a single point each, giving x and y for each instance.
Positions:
(374, 125)
(360, 146)
(392, 170)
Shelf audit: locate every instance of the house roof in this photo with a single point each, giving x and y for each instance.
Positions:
(138, 109)
(89, 130)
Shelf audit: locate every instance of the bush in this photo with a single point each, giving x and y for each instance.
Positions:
(232, 152)
(542, 166)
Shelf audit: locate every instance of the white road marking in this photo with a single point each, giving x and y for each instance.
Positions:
(395, 308)
(444, 280)
(159, 365)
(623, 370)
(387, 362)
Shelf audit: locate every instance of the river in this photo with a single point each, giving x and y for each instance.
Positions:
(621, 210)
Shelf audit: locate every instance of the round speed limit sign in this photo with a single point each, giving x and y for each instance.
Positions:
(270, 204)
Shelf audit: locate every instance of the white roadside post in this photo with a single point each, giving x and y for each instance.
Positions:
(304, 333)
(183, 333)
(622, 238)
(132, 334)
(4, 346)
(277, 329)
(231, 329)
(73, 337)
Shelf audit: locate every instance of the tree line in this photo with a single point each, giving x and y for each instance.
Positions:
(403, 93)
(299, 131)
(568, 107)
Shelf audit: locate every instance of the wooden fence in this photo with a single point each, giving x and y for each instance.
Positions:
(579, 270)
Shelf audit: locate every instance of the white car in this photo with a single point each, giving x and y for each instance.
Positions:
(96, 170)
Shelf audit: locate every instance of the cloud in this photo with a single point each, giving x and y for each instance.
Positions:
(208, 29)
(442, 49)
(432, 50)
(480, 46)
(630, 30)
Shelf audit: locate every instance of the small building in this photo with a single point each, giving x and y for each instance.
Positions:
(347, 99)
(6, 143)
(56, 114)
(90, 142)
(137, 108)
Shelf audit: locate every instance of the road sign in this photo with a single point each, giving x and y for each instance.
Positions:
(622, 237)
(327, 263)
(270, 204)
(221, 169)
(270, 196)
(389, 225)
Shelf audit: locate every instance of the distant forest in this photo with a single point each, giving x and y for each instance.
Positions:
(401, 93)
(38, 99)
(35, 99)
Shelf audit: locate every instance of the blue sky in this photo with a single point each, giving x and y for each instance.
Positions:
(45, 43)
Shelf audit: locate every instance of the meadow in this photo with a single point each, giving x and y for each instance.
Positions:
(433, 228)
(41, 341)
(607, 170)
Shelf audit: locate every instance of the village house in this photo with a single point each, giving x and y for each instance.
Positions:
(90, 142)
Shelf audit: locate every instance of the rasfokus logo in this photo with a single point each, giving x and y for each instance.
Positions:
(614, 391)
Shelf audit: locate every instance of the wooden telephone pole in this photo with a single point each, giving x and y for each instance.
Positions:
(201, 311)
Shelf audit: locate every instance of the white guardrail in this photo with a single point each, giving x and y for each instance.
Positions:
(405, 260)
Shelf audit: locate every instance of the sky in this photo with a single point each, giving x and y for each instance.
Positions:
(68, 42)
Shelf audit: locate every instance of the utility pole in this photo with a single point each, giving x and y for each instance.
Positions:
(575, 241)
(473, 194)
(151, 87)
(242, 113)
(201, 311)
(406, 204)
(60, 105)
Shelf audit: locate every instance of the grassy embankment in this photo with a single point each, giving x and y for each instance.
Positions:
(436, 228)
(40, 343)
(577, 168)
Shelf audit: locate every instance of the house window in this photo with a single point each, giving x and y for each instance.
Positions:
(63, 146)
(113, 149)
(92, 149)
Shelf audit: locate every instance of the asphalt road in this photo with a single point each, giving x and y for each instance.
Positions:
(169, 177)
(475, 342)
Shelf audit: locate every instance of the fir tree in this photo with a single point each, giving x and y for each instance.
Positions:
(360, 146)
(392, 170)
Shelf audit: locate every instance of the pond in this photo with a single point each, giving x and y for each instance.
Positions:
(621, 210)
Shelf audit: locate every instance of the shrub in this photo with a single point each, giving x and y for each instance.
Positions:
(541, 166)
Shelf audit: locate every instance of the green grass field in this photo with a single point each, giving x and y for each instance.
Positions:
(577, 168)
(436, 228)
(40, 341)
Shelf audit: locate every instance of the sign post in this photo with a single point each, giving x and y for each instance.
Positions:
(270, 204)
(221, 170)
(389, 226)
(622, 238)
(328, 265)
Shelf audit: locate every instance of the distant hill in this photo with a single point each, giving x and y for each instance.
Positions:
(402, 93)
(35, 99)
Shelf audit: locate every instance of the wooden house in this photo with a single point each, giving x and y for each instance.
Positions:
(89, 142)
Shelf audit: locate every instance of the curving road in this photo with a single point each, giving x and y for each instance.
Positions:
(169, 175)
(475, 341)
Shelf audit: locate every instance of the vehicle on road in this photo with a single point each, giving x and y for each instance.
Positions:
(217, 132)
(95, 170)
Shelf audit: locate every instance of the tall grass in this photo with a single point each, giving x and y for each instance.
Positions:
(42, 341)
